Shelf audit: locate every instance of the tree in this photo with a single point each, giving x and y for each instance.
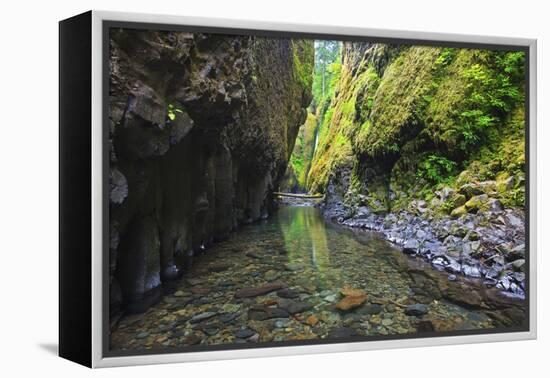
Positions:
(326, 53)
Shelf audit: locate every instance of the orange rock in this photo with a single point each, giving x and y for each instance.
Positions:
(350, 302)
(271, 302)
(312, 320)
(350, 291)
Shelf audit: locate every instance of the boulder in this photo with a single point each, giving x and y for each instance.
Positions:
(476, 203)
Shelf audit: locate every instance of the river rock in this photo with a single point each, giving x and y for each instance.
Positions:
(264, 313)
(271, 275)
(142, 335)
(342, 332)
(219, 266)
(202, 316)
(250, 292)
(244, 333)
(288, 293)
(229, 317)
(351, 302)
(294, 307)
(200, 290)
(294, 267)
(350, 291)
(369, 309)
(417, 309)
(312, 320)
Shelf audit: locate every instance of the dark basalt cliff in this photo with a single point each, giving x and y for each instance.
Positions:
(201, 129)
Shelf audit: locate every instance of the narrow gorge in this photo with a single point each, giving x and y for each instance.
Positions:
(417, 152)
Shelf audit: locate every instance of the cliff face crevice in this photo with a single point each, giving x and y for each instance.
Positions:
(200, 136)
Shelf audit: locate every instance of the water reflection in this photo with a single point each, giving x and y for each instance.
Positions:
(304, 235)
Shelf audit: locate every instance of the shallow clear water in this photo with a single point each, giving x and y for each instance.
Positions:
(296, 248)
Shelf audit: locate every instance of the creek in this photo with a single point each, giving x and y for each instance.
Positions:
(287, 278)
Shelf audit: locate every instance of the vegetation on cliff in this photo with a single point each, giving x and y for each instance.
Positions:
(326, 72)
(406, 122)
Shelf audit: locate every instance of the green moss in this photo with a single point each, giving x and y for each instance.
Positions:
(303, 68)
(422, 118)
(302, 154)
(398, 101)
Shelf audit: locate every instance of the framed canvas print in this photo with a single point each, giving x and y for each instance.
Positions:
(236, 189)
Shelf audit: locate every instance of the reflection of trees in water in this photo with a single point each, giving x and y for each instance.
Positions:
(306, 242)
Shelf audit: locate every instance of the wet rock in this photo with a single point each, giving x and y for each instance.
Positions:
(281, 323)
(312, 320)
(195, 281)
(253, 255)
(142, 335)
(417, 309)
(228, 318)
(351, 302)
(294, 267)
(425, 326)
(369, 309)
(219, 267)
(271, 275)
(294, 307)
(461, 296)
(288, 293)
(350, 291)
(211, 331)
(244, 333)
(202, 316)
(250, 292)
(342, 332)
(200, 290)
(264, 313)
(192, 340)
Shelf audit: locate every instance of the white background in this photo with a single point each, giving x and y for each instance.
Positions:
(29, 214)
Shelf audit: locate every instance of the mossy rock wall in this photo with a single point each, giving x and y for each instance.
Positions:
(408, 122)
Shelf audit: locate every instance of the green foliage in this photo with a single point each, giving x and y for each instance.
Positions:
(327, 69)
(172, 111)
(492, 91)
(436, 168)
(445, 58)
